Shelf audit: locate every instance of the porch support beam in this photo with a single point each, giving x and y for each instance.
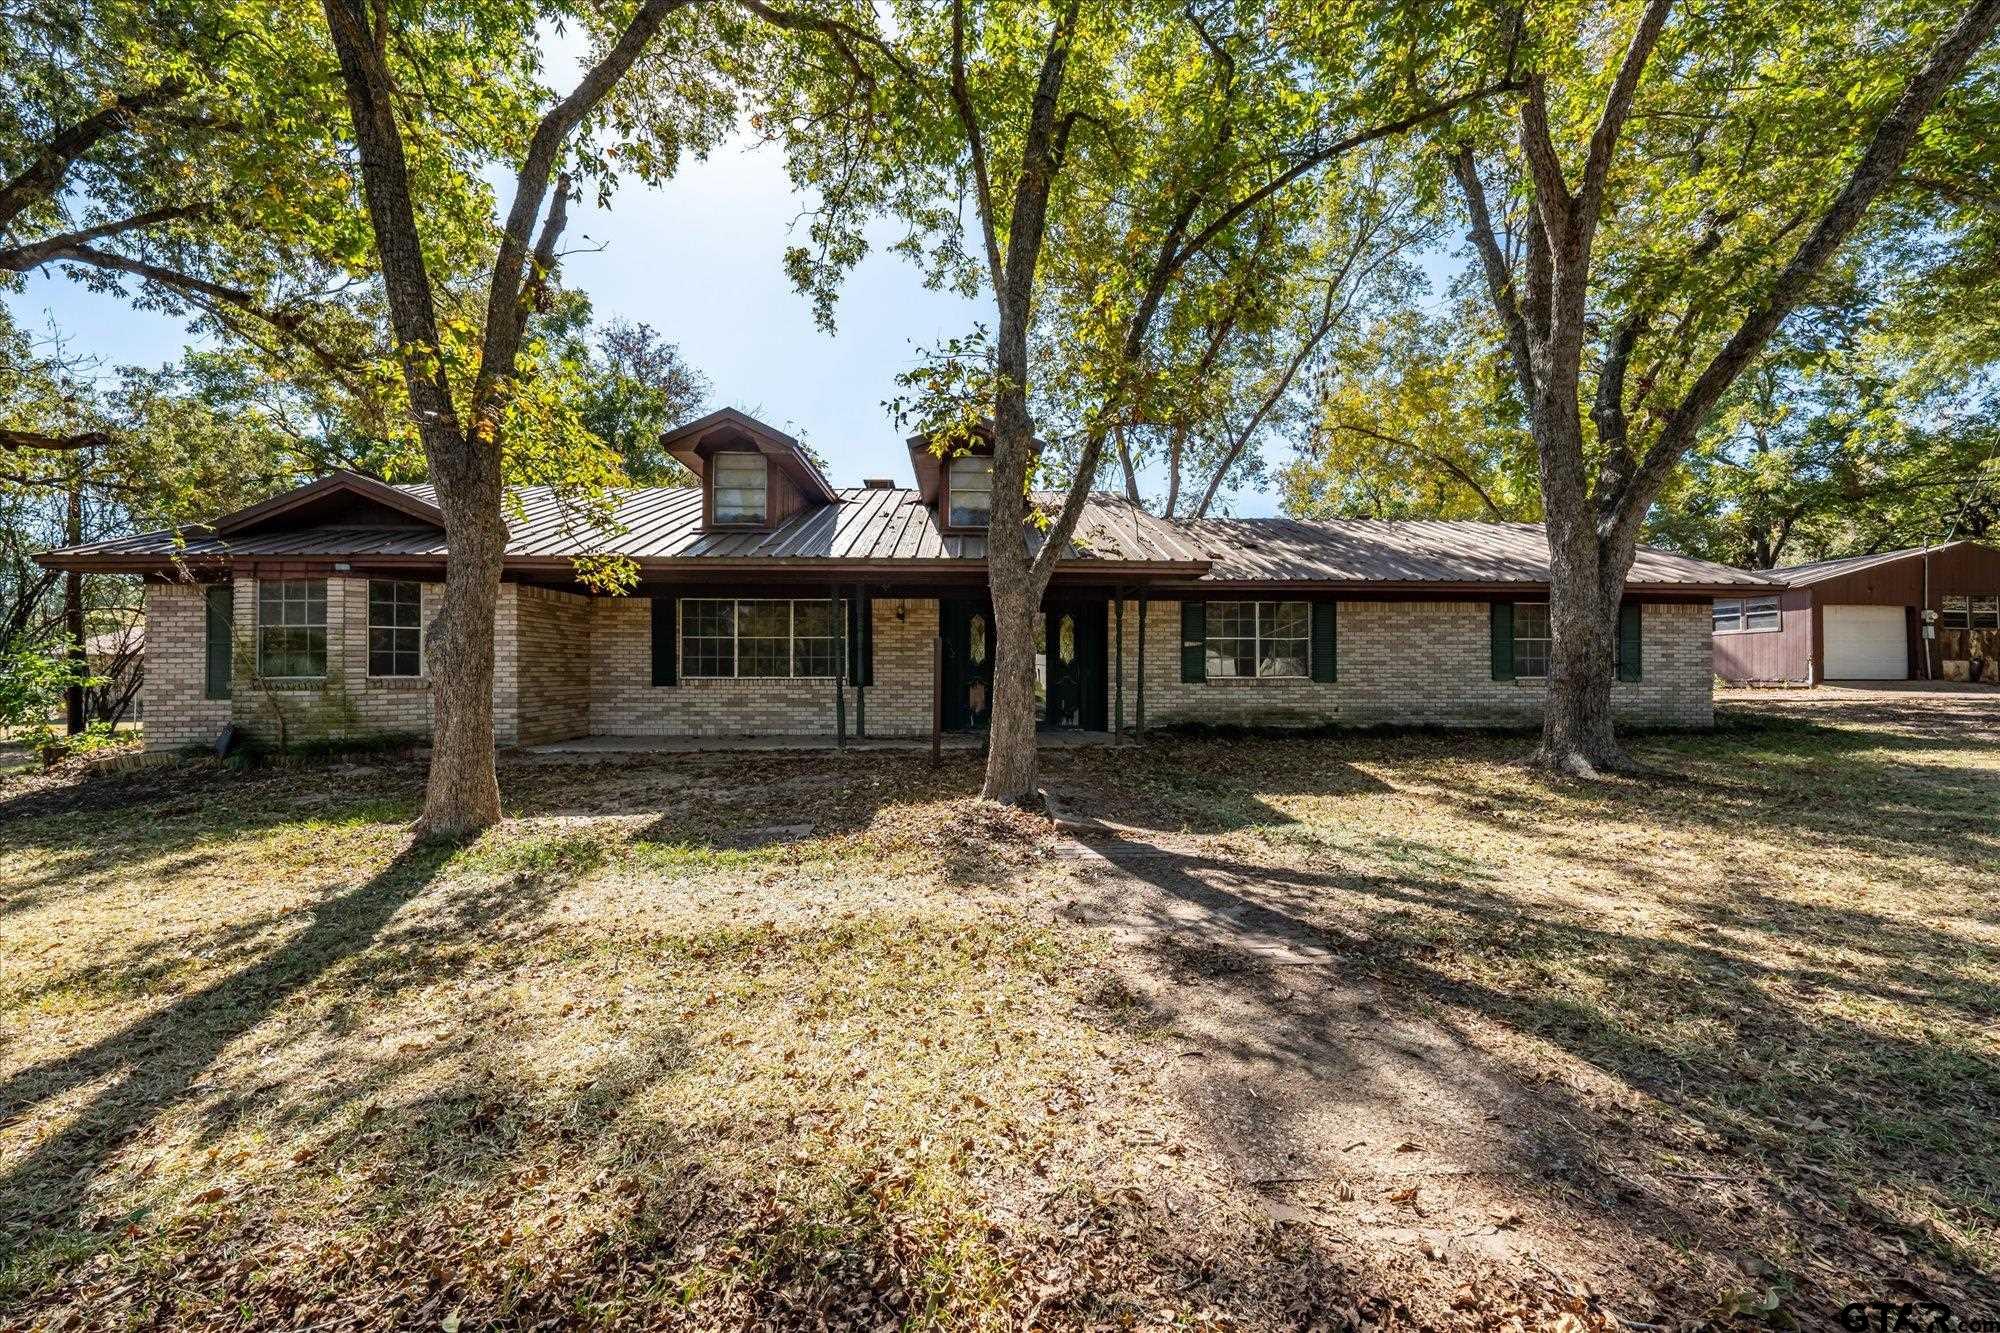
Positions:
(1140, 723)
(1118, 669)
(863, 615)
(839, 669)
(937, 690)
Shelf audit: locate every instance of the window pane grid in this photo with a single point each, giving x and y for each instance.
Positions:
(1252, 639)
(1986, 613)
(395, 627)
(759, 639)
(1531, 639)
(971, 486)
(1738, 614)
(1957, 613)
(291, 627)
(741, 482)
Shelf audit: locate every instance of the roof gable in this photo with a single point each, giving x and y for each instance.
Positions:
(345, 499)
(691, 444)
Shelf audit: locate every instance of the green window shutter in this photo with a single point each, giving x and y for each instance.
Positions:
(1628, 641)
(1503, 641)
(220, 639)
(1194, 641)
(861, 640)
(1325, 664)
(666, 623)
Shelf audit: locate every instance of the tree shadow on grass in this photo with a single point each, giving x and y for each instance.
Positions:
(154, 1063)
(1828, 1131)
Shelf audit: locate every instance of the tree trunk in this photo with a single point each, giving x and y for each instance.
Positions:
(1577, 733)
(463, 795)
(73, 614)
(1011, 759)
(1011, 572)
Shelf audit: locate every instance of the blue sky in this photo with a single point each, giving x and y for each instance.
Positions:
(699, 259)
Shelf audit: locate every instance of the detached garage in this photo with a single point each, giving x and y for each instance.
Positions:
(1862, 618)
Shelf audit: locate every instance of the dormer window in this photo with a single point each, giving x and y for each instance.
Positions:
(969, 483)
(742, 484)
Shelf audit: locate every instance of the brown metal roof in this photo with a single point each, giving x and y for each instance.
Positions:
(1818, 571)
(868, 524)
(1276, 550)
(895, 530)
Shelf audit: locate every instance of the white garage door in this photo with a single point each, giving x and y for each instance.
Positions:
(1866, 643)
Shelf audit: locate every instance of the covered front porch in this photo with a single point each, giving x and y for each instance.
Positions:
(698, 666)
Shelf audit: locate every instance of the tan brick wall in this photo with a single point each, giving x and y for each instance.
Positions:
(1418, 662)
(542, 666)
(569, 665)
(176, 664)
(623, 700)
(347, 703)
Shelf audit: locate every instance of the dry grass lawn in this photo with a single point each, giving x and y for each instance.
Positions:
(1320, 1031)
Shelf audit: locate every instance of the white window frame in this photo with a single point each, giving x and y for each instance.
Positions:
(953, 487)
(264, 626)
(1957, 604)
(1546, 639)
(762, 485)
(422, 665)
(792, 604)
(1985, 612)
(1257, 638)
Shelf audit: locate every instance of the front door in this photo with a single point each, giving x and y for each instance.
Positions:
(967, 628)
(1070, 666)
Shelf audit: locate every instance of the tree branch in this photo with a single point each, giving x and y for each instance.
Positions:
(37, 440)
(43, 176)
(503, 323)
(1887, 149)
(1618, 107)
(1499, 276)
(21, 258)
(1456, 470)
(1608, 410)
(975, 140)
(1327, 153)
(385, 183)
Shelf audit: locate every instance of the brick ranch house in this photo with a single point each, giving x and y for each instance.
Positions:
(770, 603)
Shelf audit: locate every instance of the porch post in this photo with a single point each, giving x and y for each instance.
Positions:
(1139, 725)
(839, 670)
(937, 690)
(863, 615)
(1118, 671)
